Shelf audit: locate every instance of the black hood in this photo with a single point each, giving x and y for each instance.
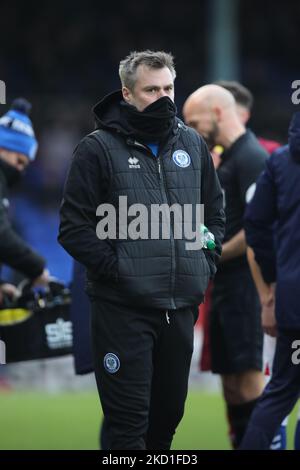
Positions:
(114, 114)
(294, 137)
(108, 113)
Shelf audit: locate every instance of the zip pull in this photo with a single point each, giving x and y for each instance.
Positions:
(167, 317)
(158, 166)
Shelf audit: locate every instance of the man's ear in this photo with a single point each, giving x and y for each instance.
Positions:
(126, 94)
(217, 110)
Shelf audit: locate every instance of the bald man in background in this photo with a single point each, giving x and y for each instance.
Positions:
(244, 103)
(235, 324)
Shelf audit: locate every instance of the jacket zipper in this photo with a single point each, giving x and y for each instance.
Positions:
(172, 240)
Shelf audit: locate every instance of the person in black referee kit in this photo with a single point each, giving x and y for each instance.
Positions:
(144, 292)
(235, 323)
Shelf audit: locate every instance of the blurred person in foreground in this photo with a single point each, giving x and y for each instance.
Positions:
(144, 292)
(235, 324)
(274, 209)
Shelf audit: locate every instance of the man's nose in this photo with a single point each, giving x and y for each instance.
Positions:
(162, 93)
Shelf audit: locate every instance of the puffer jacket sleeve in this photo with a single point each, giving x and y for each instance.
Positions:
(14, 252)
(260, 217)
(212, 198)
(84, 191)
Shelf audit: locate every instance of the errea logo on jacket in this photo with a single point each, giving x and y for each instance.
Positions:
(133, 162)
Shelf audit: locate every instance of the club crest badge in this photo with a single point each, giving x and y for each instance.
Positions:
(181, 158)
(111, 363)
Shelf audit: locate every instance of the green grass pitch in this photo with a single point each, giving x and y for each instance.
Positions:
(71, 421)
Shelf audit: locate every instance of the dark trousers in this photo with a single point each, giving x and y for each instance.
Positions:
(80, 316)
(142, 361)
(279, 396)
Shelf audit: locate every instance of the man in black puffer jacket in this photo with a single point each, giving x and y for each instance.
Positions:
(144, 289)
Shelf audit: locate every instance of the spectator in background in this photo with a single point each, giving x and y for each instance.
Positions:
(18, 147)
